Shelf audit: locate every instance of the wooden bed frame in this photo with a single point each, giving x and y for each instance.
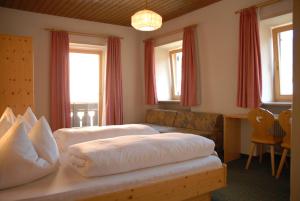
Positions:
(195, 187)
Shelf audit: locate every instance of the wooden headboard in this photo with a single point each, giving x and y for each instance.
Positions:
(16, 73)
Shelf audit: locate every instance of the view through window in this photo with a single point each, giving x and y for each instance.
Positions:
(84, 87)
(283, 60)
(176, 63)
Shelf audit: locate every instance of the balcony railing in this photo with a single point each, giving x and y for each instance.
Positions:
(84, 114)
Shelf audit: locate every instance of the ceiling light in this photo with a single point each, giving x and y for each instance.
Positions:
(146, 20)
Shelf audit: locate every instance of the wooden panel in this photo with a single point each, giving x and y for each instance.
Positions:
(107, 11)
(191, 188)
(16, 78)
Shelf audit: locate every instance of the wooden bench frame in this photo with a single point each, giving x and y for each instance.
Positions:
(195, 187)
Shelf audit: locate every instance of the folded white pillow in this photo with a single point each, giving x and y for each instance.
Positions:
(43, 141)
(27, 126)
(29, 117)
(22, 161)
(6, 121)
(4, 126)
(9, 115)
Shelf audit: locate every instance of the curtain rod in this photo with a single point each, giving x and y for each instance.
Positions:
(261, 4)
(171, 32)
(83, 34)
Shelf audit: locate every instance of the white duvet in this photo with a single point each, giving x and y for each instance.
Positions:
(128, 153)
(68, 136)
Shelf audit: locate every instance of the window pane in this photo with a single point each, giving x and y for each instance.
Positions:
(177, 78)
(84, 78)
(286, 62)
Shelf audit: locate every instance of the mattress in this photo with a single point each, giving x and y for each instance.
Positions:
(66, 184)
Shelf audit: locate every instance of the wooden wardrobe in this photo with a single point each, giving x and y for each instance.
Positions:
(16, 73)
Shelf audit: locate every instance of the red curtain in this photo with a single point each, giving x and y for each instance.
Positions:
(149, 68)
(188, 81)
(114, 97)
(59, 81)
(249, 65)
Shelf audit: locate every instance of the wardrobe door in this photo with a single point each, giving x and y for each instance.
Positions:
(16, 73)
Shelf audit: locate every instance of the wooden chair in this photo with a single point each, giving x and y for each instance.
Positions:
(262, 121)
(285, 123)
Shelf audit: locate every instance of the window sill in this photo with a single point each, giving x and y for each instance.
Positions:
(278, 103)
(169, 102)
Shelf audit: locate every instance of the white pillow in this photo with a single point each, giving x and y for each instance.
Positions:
(9, 115)
(19, 161)
(44, 143)
(4, 126)
(29, 117)
(20, 119)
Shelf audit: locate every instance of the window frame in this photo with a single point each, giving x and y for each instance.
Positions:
(101, 74)
(276, 84)
(173, 72)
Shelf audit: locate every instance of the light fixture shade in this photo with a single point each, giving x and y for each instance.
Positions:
(146, 20)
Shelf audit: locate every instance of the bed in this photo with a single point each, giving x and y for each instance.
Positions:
(180, 181)
(193, 179)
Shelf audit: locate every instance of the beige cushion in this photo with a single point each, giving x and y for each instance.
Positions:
(161, 117)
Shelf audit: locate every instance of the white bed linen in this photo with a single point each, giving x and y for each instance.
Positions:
(133, 152)
(66, 137)
(66, 184)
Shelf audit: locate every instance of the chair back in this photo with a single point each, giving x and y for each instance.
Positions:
(261, 121)
(285, 121)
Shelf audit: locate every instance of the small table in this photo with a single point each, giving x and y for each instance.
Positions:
(232, 136)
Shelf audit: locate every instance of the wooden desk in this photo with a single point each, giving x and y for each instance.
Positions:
(232, 136)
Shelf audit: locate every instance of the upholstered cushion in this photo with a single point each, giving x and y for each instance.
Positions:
(183, 119)
(161, 117)
(204, 121)
(198, 121)
(209, 125)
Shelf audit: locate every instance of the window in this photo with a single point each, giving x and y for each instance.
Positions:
(176, 63)
(283, 62)
(168, 71)
(84, 86)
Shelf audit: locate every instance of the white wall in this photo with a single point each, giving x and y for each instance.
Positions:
(217, 35)
(17, 22)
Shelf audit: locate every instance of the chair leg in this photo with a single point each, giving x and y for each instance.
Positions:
(272, 160)
(260, 152)
(282, 160)
(252, 146)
